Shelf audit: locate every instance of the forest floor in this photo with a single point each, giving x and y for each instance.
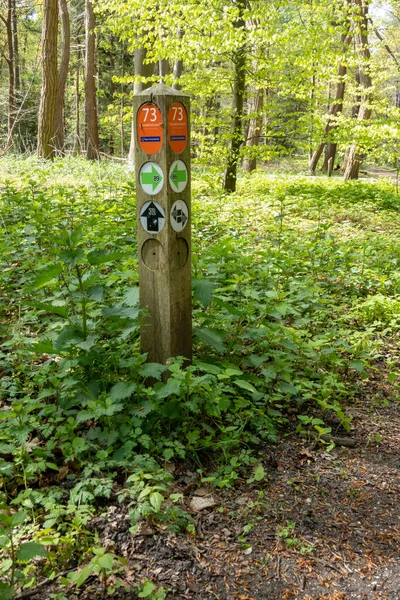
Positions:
(322, 525)
(296, 317)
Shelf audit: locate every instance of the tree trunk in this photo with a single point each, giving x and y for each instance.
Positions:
(237, 106)
(59, 127)
(122, 105)
(144, 70)
(178, 65)
(336, 107)
(48, 94)
(254, 130)
(330, 154)
(15, 46)
(163, 68)
(11, 72)
(312, 107)
(91, 118)
(354, 156)
(77, 140)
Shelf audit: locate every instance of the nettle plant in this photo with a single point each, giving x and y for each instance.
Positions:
(15, 556)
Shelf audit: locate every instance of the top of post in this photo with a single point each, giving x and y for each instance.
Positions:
(160, 89)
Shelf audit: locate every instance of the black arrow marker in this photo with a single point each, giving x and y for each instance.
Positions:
(152, 214)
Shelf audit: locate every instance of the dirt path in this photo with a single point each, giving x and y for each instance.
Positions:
(323, 526)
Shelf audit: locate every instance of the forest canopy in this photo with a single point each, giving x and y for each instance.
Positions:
(269, 79)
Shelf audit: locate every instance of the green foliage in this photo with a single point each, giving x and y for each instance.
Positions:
(149, 590)
(103, 564)
(14, 554)
(295, 289)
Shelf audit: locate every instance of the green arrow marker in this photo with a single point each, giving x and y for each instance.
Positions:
(178, 177)
(153, 178)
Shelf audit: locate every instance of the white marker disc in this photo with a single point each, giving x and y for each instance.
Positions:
(178, 176)
(151, 178)
(179, 215)
(152, 217)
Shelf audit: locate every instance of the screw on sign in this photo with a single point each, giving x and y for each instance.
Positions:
(149, 127)
(177, 127)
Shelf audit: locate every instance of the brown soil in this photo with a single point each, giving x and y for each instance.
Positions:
(322, 526)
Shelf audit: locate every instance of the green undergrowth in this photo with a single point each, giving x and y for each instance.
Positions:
(296, 292)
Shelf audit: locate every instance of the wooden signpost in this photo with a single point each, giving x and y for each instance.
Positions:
(162, 165)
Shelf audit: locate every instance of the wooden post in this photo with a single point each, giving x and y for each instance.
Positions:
(162, 166)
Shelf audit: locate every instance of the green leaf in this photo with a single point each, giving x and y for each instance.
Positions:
(44, 276)
(172, 387)
(43, 347)
(29, 550)
(203, 290)
(106, 562)
(288, 388)
(154, 370)
(47, 307)
(245, 385)
(100, 257)
(131, 297)
(87, 344)
(156, 500)
(259, 473)
(211, 337)
(207, 367)
(67, 338)
(96, 293)
(82, 575)
(6, 591)
(358, 365)
(122, 390)
(123, 312)
(18, 518)
(147, 589)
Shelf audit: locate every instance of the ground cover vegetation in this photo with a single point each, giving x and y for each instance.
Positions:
(295, 282)
(296, 290)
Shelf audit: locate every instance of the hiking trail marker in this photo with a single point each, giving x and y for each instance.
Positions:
(162, 165)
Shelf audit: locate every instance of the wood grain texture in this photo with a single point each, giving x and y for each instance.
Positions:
(164, 257)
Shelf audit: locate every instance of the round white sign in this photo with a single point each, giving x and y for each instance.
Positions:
(152, 217)
(151, 178)
(179, 215)
(178, 176)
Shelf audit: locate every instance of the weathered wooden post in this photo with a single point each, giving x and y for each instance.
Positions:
(162, 166)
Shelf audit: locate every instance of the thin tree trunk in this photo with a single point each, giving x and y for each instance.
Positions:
(312, 108)
(178, 65)
(48, 95)
(254, 130)
(355, 109)
(330, 154)
(336, 106)
(59, 127)
(163, 68)
(91, 117)
(237, 106)
(16, 47)
(11, 73)
(122, 106)
(144, 70)
(354, 156)
(77, 141)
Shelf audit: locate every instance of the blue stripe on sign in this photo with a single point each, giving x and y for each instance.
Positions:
(177, 138)
(154, 138)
